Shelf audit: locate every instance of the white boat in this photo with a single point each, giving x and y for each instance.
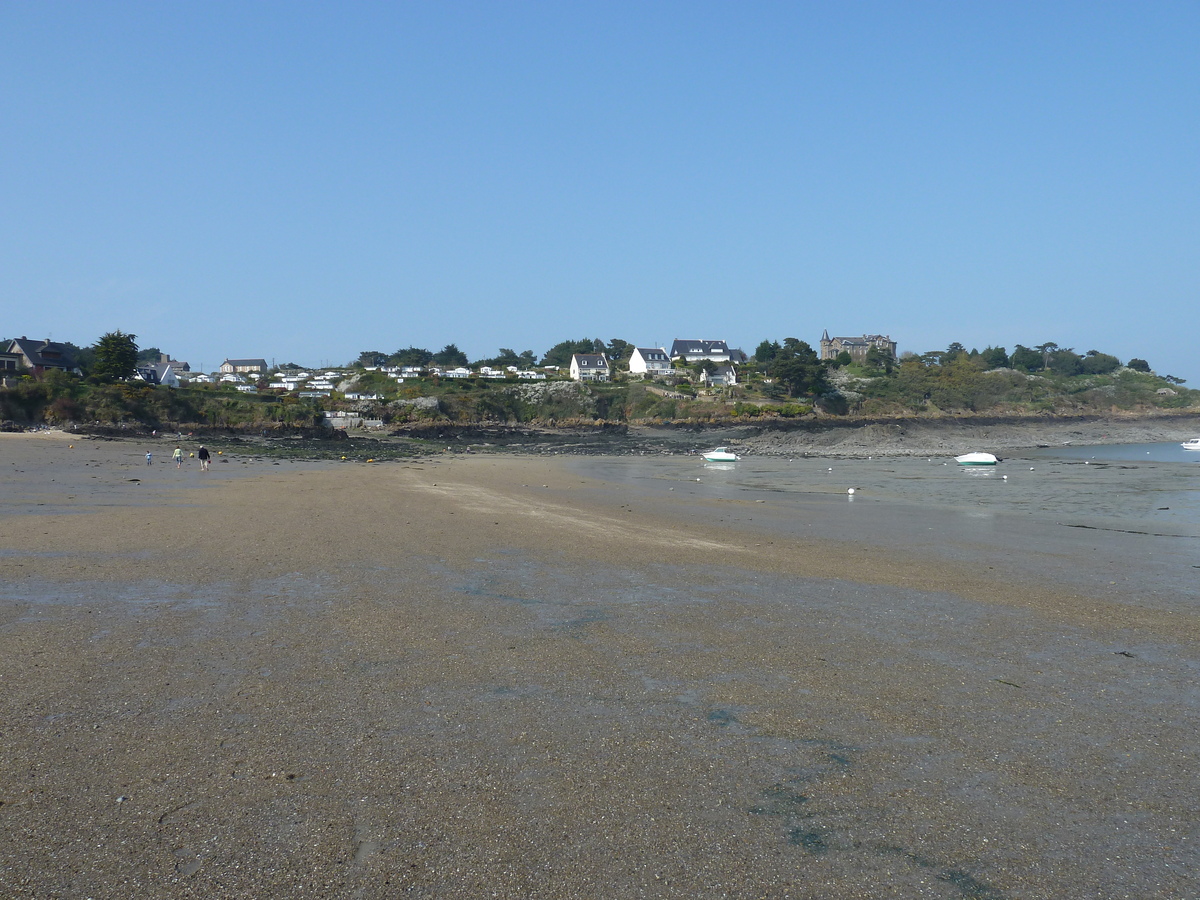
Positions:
(720, 454)
(976, 459)
(1193, 444)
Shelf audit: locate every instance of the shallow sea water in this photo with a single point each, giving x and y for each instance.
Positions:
(1120, 487)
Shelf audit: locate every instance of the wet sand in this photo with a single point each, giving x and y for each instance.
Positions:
(479, 677)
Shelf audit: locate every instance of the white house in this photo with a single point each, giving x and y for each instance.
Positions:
(650, 361)
(723, 376)
(589, 367)
(159, 373)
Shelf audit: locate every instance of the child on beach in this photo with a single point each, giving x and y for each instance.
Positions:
(203, 454)
(148, 459)
(178, 457)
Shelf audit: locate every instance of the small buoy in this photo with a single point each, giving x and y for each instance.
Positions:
(697, 479)
(371, 460)
(190, 455)
(850, 490)
(219, 452)
(1086, 463)
(70, 446)
(1005, 477)
(343, 457)
(1031, 468)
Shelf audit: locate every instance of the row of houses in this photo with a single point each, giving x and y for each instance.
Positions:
(657, 362)
(23, 354)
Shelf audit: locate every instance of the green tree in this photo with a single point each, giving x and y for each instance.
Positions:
(843, 359)
(371, 358)
(619, 349)
(1097, 363)
(1065, 361)
(410, 356)
(1138, 365)
(450, 355)
(798, 369)
(994, 358)
(1025, 358)
(953, 352)
(116, 355)
(560, 354)
(506, 357)
(1047, 350)
(766, 351)
(148, 355)
(881, 359)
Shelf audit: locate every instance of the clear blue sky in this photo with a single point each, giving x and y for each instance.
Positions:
(302, 181)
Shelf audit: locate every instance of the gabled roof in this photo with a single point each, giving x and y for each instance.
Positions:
(685, 347)
(245, 362)
(590, 360)
(652, 352)
(43, 354)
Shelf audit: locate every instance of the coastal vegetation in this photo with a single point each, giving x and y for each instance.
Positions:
(783, 381)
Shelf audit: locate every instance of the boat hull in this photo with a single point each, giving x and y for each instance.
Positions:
(976, 459)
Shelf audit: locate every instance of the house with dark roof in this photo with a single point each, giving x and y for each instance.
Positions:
(688, 352)
(40, 356)
(589, 367)
(159, 373)
(650, 361)
(857, 347)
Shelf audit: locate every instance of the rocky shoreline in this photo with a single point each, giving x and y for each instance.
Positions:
(824, 437)
(843, 438)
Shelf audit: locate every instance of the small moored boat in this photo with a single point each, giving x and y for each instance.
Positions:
(720, 454)
(976, 459)
(1193, 444)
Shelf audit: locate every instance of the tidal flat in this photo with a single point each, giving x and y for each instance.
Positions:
(595, 677)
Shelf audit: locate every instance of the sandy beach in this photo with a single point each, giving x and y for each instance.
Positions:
(521, 677)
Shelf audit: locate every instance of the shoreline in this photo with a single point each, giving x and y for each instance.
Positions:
(824, 438)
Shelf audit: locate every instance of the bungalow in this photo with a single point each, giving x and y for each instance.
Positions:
(688, 352)
(650, 361)
(40, 356)
(255, 366)
(589, 367)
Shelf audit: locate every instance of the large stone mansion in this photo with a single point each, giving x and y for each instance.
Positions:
(857, 347)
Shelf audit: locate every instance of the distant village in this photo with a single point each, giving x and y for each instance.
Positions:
(712, 362)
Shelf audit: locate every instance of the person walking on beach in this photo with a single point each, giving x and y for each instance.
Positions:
(178, 457)
(203, 454)
(149, 461)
